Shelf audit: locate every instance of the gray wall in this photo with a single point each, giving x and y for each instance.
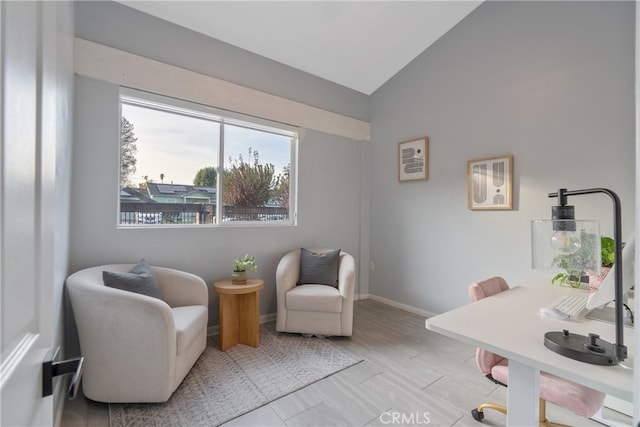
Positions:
(328, 206)
(331, 168)
(522, 78)
(551, 83)
(60, 58)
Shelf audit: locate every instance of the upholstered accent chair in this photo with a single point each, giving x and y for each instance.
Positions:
(581, 400)
(138, 348)
(311, 308)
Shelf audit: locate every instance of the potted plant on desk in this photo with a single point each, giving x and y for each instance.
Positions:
(579, 266)
(240, 267)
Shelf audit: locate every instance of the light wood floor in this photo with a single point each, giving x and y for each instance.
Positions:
(410, 376)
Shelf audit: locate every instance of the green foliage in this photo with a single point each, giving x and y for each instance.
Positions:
(206, 177)
(608, 251)
(281, 191)
(582, 260)
(245, 263)
(128, 151)
(563, 279)
(581, 263)
(248, 184)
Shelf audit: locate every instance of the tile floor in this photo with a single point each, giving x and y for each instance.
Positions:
(410, 376)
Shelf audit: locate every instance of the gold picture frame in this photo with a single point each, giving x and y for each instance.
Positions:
(413, 160)
(490, 183)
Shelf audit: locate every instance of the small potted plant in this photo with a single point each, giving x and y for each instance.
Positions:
(578, 267)
(240, 267)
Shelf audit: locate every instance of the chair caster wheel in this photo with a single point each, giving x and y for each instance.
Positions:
(477, 415)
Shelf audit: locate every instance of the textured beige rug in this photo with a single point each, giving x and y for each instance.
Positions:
(224, 385)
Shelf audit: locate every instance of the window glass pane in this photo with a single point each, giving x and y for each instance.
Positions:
(256, 175)
(167, 170)
(171, 172)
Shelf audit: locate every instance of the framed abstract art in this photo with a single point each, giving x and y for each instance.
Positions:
(413, 160)
(490, 183)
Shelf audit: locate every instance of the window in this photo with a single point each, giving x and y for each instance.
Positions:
(186, 164)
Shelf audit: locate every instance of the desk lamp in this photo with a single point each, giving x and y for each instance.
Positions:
(552, 239)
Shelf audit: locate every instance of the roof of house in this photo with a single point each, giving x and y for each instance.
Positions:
(135, 195)
(168, 190)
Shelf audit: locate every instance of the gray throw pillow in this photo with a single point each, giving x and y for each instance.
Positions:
(139, 279)
(319, 269)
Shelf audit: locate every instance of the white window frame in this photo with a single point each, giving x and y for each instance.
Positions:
(191, 109)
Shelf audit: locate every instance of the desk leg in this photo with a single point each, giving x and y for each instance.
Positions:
(523, 395)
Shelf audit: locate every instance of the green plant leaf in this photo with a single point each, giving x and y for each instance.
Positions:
(608, 251)
(559, 279)
(245, 263)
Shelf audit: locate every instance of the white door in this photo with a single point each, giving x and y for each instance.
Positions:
(26, 292)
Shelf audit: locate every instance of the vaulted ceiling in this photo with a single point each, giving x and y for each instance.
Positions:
(357, 44)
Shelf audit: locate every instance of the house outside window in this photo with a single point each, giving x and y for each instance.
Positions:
(184, 164)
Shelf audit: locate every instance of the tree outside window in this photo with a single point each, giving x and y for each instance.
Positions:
(170, 173)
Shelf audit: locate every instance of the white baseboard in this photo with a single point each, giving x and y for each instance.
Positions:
(401, 306)
(265, 318)
(270, 317)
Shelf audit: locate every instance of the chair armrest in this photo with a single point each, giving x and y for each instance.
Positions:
(347, 276)
(180, 288)
(287, 273)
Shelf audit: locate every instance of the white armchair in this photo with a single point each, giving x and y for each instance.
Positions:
(315, 309)
(138, 348)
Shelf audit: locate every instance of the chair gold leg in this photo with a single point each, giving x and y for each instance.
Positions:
(542, 413)
(493, 406)
(544, 422)
(478, 413)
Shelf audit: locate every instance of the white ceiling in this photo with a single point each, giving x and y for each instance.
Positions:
(357, 44)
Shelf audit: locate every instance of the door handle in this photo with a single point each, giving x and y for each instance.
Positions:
(51, 368)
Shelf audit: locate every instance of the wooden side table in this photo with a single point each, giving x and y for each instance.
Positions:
(239, 312)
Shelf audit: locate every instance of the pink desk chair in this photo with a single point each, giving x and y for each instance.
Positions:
(580, 399)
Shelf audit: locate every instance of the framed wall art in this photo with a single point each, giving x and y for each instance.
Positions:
(413, 160)
(490, 183)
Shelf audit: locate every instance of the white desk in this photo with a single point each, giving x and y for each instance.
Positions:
(508, 324)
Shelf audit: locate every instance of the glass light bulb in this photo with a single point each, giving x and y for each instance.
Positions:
(565, 242)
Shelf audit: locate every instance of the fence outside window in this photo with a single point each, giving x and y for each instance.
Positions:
(196, 213)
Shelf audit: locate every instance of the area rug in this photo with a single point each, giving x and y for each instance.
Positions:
(224, 385)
